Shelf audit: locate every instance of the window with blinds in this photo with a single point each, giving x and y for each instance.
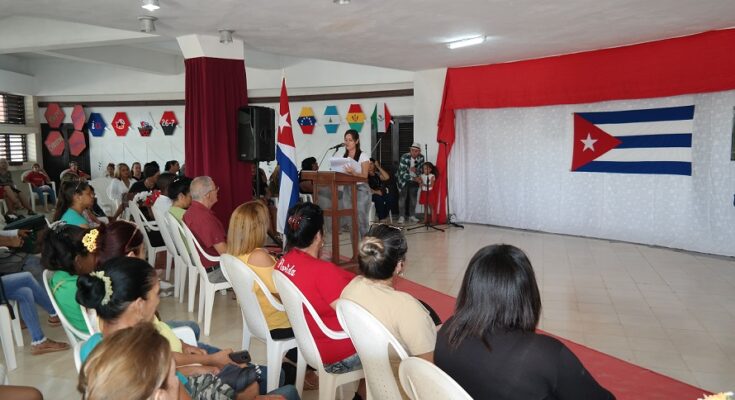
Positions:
(13, 148)
(12, 109)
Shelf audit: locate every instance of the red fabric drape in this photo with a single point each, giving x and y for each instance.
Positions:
(699, 63)
(215, 90)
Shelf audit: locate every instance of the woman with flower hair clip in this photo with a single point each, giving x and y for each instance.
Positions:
(69, 251)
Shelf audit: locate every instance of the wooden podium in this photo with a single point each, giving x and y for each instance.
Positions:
(334, 180)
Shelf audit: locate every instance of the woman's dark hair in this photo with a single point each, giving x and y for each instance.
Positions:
(355, 137)
(498, 294)
(380, 251)
(117, 239)
(304, 221)
(130, 279)
(66, 196)
(61, 246)
(150, 169)
(164, 181)
(177, 187)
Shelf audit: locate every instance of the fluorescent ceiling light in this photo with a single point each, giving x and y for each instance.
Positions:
(466, 42)
(151, 5)
(341, 2)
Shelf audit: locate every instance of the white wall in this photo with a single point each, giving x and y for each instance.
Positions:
(16, 83)
(427, 93)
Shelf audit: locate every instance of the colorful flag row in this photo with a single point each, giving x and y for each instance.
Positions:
(120, 122)
(331, 120)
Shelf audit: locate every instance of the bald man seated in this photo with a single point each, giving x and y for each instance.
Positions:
(205, 225)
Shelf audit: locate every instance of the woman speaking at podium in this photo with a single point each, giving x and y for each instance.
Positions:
(352, 146)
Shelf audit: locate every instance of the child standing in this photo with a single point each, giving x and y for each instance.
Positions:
(427, 195)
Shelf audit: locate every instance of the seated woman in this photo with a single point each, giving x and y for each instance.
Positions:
(74, 198)
(13, 197)
(124, 292)
(320, 281)
(119, 187)
(40, 183)
(382, 257)
(378, 181)
(132, 363)
(490, 345)
(68, 250)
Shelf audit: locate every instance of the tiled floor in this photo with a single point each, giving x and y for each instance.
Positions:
(670, 311)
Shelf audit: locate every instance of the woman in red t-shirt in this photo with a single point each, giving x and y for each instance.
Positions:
(320, 281)
(40, 183)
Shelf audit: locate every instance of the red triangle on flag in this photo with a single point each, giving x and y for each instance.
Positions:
(285, 132)
(590, 142)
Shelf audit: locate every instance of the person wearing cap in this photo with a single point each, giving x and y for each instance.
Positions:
(409, 169)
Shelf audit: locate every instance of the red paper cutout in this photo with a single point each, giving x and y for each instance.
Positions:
(168, 123)
(54, 115)
(78, 117)
(120, 123)
(54, 143)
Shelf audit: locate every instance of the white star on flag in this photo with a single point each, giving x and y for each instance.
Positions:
(589, 143)
(283, 120)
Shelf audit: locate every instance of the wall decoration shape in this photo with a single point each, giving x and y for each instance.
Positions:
(168, 123)
(54, 143)
(77, 144)
(54, 115)
(96, 124)
(78, 117)
(145, 129)
(355, 117)
(121, 123)
(307, 120)
(331, 119)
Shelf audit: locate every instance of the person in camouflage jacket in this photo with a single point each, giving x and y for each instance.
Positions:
(409, 168)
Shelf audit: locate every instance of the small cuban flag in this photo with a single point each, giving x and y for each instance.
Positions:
(331, 119)
(647, 141)
(307, 120)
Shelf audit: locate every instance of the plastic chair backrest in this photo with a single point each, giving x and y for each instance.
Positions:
(90, 318)
(78, 355)
(244, 281)
(72, 333)
(295, 302)
(372, 342)
(139, 220)
(186, 334)
(421, 380)
(165, 231)
(100, 186)
(177, 235)
(196, 250)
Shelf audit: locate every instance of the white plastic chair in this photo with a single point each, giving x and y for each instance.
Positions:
(100, 186)
(73, 334)
(6, 336)
(183, 257)
(171, 252)
(372, 342)
(78, 355)
(145, 226)
(207, 289)
(186, 335)
(90, 319)
(422, 380)
(244, 282)
(32, 196)
(294, 301)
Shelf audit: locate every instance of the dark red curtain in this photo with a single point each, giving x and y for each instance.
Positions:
(692, 64)
(215, 90)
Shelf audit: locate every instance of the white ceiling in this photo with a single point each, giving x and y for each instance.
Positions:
(402, 34)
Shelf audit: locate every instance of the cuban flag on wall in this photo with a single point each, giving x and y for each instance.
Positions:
(286, 158)
(647, 141)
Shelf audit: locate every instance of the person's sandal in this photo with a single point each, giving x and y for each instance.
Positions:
(48, 346)
(54, 320)
(311, 381)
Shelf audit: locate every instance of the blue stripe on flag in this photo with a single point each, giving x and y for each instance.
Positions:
(666, 140)
(639, 167)
(649, 115)
(289, 169)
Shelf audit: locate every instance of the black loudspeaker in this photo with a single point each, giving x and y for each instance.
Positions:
(256, 134)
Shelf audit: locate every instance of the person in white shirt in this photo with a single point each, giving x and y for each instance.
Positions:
(163, 203)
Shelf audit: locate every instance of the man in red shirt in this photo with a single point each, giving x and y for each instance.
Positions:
(40, 183)
(205, 226)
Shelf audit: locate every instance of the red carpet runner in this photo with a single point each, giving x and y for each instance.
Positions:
(625, 380)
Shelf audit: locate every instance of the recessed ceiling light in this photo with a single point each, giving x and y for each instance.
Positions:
(466, 42)
(147, 24)
(150, 5)
(341, 2)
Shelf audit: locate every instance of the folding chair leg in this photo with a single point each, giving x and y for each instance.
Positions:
(17, 329)
(208, 308)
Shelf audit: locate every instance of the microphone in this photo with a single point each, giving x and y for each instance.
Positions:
(337, 146)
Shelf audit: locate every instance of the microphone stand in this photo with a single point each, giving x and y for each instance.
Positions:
(446, 185)
(325, 155)
(425, 193)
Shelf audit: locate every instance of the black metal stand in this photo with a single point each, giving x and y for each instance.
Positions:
(258, 194)
(446, 185)
(425, 193)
